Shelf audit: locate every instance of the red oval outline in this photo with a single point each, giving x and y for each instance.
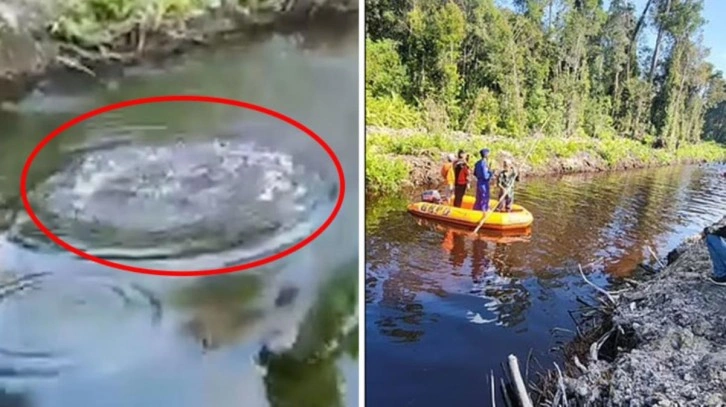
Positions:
(183, 98)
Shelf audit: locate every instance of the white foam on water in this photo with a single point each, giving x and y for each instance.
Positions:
(125, 198)
(476, 318)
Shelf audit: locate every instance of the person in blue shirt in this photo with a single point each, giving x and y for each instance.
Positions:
(483, 175)
(715, 236)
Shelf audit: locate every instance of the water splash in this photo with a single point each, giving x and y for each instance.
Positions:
(178, 200)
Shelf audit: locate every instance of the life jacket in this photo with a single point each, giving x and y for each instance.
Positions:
(461, 172)
(445, 171)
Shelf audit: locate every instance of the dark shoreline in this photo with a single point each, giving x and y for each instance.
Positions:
(410, 189)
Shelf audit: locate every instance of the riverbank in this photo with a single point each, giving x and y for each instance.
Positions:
(662, 343)
(398, 159)
(42, 37)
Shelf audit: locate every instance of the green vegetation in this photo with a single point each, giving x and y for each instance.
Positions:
(328, 323)
(384, 173)
(386, 167)
(101, 22)
(307, 374)
(578, 74)
(93, 23)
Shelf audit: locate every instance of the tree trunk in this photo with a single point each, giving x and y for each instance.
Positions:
(658, 40)
(616, 94)
(677, 111)
(633, 39)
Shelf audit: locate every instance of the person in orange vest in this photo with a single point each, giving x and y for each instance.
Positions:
(447, 173)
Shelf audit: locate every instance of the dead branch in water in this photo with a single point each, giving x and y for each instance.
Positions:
(595, 347)
(494, 391)
(518, 382)
(526, 368)
(19, 284)
(599, 289)
(561, 384)
(507, 400)
(655, 256)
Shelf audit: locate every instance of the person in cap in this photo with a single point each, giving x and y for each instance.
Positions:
(505, 181)
(483, 175)
(447, 173)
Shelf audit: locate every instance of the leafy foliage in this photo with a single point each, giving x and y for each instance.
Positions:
(307, 375)
(565, 68)
(387, 168)
(384, 173)
(99, 22)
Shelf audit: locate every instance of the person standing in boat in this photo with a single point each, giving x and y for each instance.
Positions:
(447, 173)
(461, 178)
(505, 181)
(483, 175)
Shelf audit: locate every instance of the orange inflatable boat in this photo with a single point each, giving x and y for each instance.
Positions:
(518, 218)
(506, 236)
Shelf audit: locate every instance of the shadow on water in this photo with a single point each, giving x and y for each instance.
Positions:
(8, 399)
(443, 309)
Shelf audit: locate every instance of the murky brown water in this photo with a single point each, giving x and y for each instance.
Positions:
(442, 309)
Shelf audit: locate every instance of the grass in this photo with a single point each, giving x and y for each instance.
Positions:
(385, 173)
(99, 22)
(391, 111)
(386, 168)
(94, 23)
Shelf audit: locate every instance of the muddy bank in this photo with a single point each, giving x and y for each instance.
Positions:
(660, 344)
(38, 39)
(425, 170)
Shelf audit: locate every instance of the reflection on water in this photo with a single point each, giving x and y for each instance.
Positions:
(444, 308)
(74, 333)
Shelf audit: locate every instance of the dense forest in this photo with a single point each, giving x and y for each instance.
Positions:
(563, 67)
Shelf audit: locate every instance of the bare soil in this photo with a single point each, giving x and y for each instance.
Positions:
(425, 169)
(671, 349)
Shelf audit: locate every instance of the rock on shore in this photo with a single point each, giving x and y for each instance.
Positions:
(24, 50)
(678, 323)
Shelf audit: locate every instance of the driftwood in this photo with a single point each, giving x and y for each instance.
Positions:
(518, 382)
(74, 63)
(507, 400)
(579, 364)
(595, 347)
(561, 384)
(494, 390)
(655, 256)
(593, 285)
(21, 283)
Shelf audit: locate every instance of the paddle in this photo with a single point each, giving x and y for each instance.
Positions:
(489, 213)
(507, 192)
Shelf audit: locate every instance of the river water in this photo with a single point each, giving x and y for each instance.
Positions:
(185, 186)
(444, 310)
